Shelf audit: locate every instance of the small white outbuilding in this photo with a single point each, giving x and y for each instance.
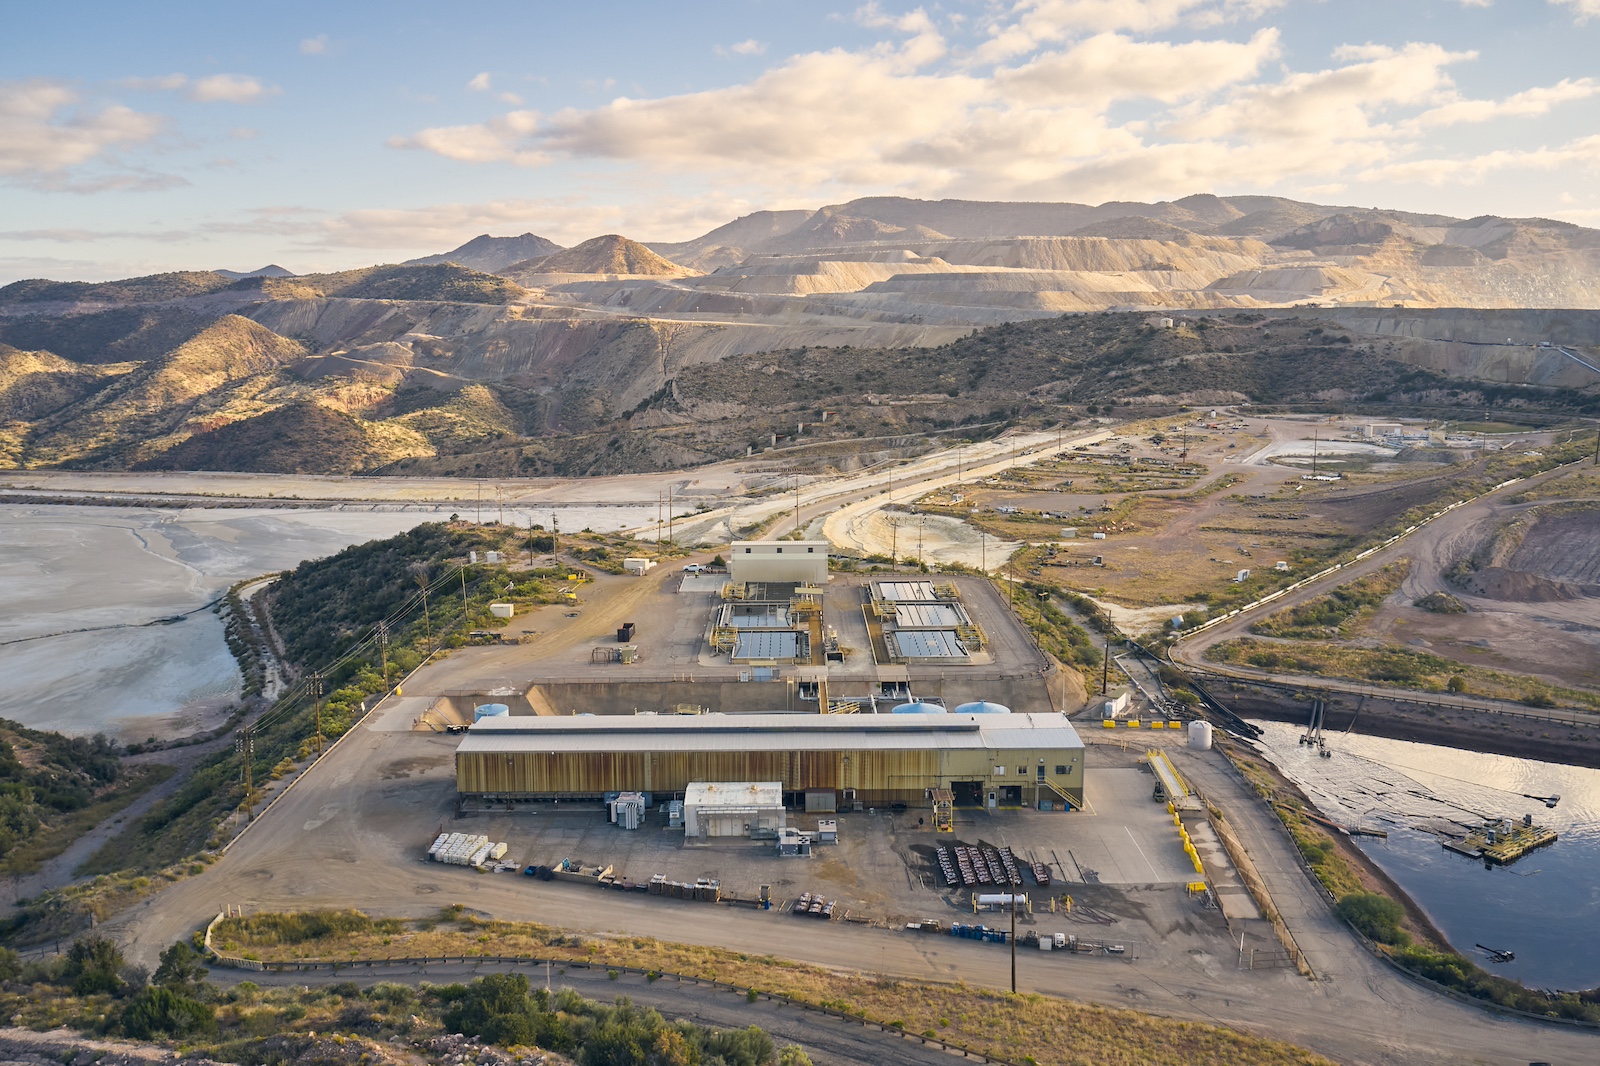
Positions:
(732, 809)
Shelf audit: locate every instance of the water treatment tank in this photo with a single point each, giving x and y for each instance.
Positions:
(1200, 736)
(983, 707)
(918, 707)
(489, 710)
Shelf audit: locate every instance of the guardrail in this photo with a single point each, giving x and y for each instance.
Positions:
(236, 962)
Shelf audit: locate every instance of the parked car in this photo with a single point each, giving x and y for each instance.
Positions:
(695, 568)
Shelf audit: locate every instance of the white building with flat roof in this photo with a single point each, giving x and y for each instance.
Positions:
(804, 562)
(732, 809)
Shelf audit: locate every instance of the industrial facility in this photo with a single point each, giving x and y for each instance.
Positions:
(981, 754)
(800, 562)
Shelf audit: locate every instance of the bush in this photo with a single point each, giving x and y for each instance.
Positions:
(1441, 603)
(94, 966)
(159, 1012)
(1374, 916)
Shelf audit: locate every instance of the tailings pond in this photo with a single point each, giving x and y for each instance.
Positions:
(105, 627)
(1545, 907)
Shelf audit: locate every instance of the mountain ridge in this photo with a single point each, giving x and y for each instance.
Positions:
(490, 254)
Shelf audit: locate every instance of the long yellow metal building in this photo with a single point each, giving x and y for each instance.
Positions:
(998, 760)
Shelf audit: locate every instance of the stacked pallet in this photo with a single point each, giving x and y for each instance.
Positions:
(465, 849)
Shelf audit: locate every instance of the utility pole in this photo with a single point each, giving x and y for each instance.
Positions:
(530, 557)
(383, 649)
(426, 617)
(480, 503)
(669, 514)
(1105, 668)
(921, 523)
(797, 501)
(500, 504)
(316, 698)
(244, 744)
(1013, 938)
(894, 544)
(464, 619)
(983, 550)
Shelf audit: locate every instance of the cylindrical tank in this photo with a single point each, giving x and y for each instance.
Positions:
(918, 707)
(1200, 736)
(999, 899)
(489, 710)
(983, 707)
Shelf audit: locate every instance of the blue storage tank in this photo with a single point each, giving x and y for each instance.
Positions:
(489, 710)
(918, 707)
(983, 707)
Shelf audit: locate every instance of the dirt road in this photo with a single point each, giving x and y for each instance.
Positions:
(829, 1041)
(1431, 550)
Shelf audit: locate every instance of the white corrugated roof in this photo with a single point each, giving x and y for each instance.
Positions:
(769, 732)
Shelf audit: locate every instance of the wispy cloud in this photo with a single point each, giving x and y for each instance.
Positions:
(314, 46)
(47, 134)
(751, 47)
(229, 88)
(214, 88)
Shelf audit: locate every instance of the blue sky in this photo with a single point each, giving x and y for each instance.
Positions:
(161, 136)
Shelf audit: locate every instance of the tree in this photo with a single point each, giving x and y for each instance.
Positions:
(182, 967)
(158, 1012)
(93, 966)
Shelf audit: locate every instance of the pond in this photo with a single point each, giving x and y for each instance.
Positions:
(1545, 907)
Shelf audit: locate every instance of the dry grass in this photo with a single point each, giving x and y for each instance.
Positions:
(1397, 667)
(1582, 482)
(1022, 1028)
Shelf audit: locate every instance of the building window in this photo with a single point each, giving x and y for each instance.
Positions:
(780, 551)
(747, 551)
(810, 550)
(1061, 771)
(999, 771)
(1022, 771)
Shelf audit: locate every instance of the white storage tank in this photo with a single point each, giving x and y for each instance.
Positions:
(983, 707)
(503, 610)
(918, 707)
(1200, 736)
(489, 710)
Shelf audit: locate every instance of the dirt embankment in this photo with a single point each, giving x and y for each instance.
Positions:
(1545, 555)
(1469, 730)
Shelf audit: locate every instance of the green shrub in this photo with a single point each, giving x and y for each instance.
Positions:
(1377, 917)
(159, 1012)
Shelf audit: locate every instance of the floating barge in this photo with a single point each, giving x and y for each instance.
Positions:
(1502, 841)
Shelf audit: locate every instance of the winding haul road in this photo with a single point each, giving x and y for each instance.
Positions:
(1432, 548)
